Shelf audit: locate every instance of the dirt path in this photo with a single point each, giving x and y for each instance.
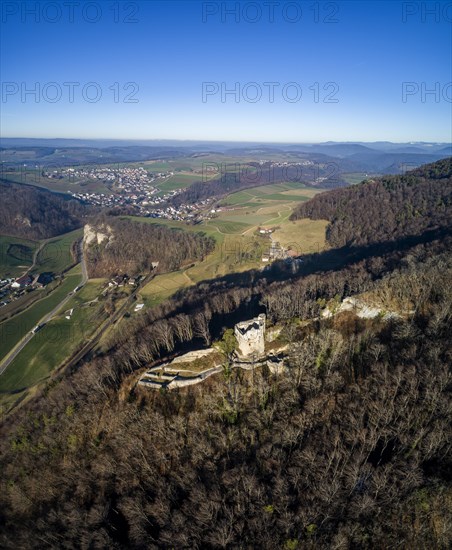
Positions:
(35, 256)
(271, 220)
(187, 276)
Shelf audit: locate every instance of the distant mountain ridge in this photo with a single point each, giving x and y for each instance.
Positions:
(377, 157)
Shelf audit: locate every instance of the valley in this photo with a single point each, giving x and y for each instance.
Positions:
(141, 309)
(225, 275)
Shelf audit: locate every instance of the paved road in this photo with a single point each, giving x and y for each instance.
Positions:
(90, 344)
(20, 345)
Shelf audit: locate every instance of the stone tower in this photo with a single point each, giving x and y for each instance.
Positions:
(250, 337)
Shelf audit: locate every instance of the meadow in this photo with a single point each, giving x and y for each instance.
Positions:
(357, 177)
(16, 255)
(14, 329)
(239, 246)
(56, 254)
(59, 185)
(45, 351)
(180, 180)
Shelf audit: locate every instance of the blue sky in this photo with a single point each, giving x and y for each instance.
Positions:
(337, 70)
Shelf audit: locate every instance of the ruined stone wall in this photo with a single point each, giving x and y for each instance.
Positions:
(250, 337)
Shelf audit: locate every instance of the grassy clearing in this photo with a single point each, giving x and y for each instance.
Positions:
(229, 226)
(56, 254)
(250, 218)
(238, 248)
(16, 255)
(302, 236)
(14, 329)
(25, 301)
(357, 177)
(200, 228)
(56, 341)
(234, 254)
(178, 181)
(164, 286)
(63, 185)
(290, 192)
(285, 197)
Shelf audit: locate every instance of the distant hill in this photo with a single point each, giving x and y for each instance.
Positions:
(445, 151)
(410, 149)
(387, 208)
(379, 157)
(345, 149)
(33, 213)
(72, 156)
(392, 163)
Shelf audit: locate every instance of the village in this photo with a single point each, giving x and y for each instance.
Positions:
(136, 190)
(12, 289)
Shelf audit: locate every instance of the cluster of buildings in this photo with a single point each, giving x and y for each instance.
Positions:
(124, 280)
(285, 164)
(121, 177)
(133, 188)
(142, 201)
(193, 213)
(11, 289)
(5, 290)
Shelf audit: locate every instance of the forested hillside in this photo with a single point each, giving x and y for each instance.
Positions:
(255, 174)
(349, 447)
(32, 213)
(132, 247)
(386, 209)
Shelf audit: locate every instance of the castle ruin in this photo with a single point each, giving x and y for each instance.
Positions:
(250, 337)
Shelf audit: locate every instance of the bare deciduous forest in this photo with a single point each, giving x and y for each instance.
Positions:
(32, 213)
(134, 246)
(385, 209)
(349, 447)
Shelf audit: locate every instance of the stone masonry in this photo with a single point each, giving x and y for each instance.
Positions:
(250, 337)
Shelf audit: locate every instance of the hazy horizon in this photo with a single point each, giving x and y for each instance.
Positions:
(287, 72)
(215, 141)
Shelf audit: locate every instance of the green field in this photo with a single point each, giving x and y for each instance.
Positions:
(26, 300)
(163, 286)
(302, 236)
(56, 254)
(178, 181)
(292, 192)
(228, 226)
(16, 255)
(357, 177)
(205, 227)
(238, 246)
(63, 185)
(235, 253)
(197, 163)
(14, 329)
(250, 218)
(45, 351)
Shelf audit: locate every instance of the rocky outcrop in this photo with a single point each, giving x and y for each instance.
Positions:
(97, 235)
